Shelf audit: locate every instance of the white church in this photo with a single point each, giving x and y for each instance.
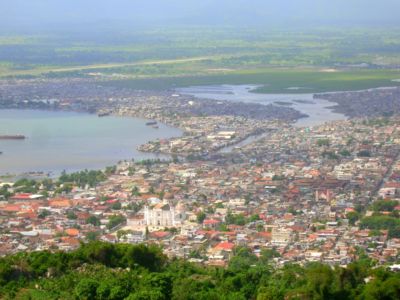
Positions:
(163, 214)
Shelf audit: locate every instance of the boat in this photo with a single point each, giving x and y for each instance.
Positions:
(155, 126)
(12, 137)
(151, 123)
(103, 114)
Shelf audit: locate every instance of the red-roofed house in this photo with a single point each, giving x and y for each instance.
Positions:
(72, 232)
(24, 197)
(225, 246)
(211, 223)
(160, 235)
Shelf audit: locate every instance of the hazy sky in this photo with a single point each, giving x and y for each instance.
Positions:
(42, 13)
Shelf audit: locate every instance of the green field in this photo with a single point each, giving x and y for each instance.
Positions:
(276, 80)
(317, 60)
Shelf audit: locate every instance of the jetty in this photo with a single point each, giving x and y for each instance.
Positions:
(12, 137)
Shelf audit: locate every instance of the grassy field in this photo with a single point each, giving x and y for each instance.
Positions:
(10, 71)
(315, 61)
(276, 80)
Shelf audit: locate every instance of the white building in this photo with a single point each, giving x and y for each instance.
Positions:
(281, 236)
(164, 215)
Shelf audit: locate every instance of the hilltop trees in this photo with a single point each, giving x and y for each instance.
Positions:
(100, 270)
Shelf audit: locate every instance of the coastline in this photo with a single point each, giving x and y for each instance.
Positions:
(163, 108)
(30, 158)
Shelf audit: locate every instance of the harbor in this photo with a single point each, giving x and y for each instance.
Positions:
(57, 141)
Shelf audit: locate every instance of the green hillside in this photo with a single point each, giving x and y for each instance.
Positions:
(121, 271)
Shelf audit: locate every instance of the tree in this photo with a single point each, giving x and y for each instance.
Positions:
(242, 260)
(222, 227)
(278, 177)
(116, 206)
(382, 223)
(71, 215)
(47, 183)
(323, 142)
(103, 290)
(5, 192)
(110, 170)
(345, 153)
(93, 220)
(146, 295)
(92, 236)
(353, 216)
(99, 270)
(82, 178)
(43, 214)
(386, 287)
(384, 205)
(131, 171)
(201, 216)
(135, 191)
(115, 220)
(329, 155)
(238, 219)
(219, 205)
(319, 282)
(254, 218)
(161, 282)
(86, 289)
(268, 254)
(123, 233)
(150, 257)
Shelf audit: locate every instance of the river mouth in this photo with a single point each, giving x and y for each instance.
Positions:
(57, 141)
(319, 111)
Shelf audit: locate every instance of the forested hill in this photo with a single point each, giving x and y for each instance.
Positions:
(119, 271)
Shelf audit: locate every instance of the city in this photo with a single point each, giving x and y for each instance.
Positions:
(199, 150)
(311, 194)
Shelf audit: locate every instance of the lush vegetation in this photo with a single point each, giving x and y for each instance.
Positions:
(115, 220)
(167, 58)
(382, 223)
(240, 219)
(63, 184)
(273, 80)
(385, 217)
(83, 178)
(119, 271)
(384, 205)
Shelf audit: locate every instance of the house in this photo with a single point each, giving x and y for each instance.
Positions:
(211, 223)
(26, 197)
(281, 236)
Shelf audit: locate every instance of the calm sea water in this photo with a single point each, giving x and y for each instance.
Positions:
(69, 141)
(317, 109)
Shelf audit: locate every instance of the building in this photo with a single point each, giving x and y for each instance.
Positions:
(26, 197)
(159, 215)
(281, 236)
(164, 215)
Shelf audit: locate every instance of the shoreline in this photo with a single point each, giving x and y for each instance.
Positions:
(13, 168)
(127, 111)
(303, 103)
